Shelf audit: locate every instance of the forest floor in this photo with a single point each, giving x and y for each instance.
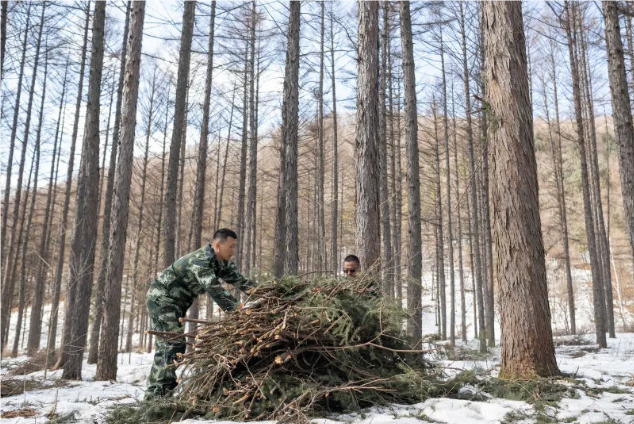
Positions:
(598, 388)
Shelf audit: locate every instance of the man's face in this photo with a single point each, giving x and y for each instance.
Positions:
(225, 249)
(350, 269)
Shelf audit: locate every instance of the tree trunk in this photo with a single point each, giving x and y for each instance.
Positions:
(13, 252)
(107, 364)
(452, 281)
(199, 194)
(135, 269)
(384, 210)
(558, 161)
(367, 142)
(597, 283)
(414, 244)
(35, 325)
(253, 152)
(321, 219)
(38, 292)
(440, 247)
(290, 127)
(52, 334)
(463, 306)
(475, 221)
(179, 114)
(527, 346)
(3, 34)
(22, 241)
(82, 255)
(224, 163)
(334, 218)
(93, 350)
(622, 112)
(14, 129)
(243, 159)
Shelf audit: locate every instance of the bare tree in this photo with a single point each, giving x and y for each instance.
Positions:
(367, 143)
(52, 333)
(83, 242)
(107, 363)
(414, 244)
(13, 251)
(622, 110)
(527, 345)
(290, 118)
(93, 351)
(334, 218)
(180, 106)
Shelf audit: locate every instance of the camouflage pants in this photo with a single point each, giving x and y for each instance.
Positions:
(164, 317)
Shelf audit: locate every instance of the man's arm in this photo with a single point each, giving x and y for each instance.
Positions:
(208, 279)
(232, 276)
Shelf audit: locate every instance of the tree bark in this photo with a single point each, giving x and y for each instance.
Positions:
(367, 143)
(527, 346)
(242, 178)
(290, 127)
(334, 218)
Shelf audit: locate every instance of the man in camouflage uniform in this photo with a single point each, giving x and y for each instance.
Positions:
(173, 292)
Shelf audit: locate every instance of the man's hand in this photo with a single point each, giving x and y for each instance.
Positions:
(251, 305)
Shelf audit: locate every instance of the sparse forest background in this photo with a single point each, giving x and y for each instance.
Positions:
(208, 131)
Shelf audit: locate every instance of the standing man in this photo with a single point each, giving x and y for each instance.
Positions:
(351, 266)
(173, 292)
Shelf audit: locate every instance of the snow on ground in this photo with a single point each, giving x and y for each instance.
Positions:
(609, 372)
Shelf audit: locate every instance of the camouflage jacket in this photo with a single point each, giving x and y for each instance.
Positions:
(196, 273)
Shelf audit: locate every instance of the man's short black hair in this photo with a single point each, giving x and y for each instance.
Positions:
(223, 234)
(352, 258)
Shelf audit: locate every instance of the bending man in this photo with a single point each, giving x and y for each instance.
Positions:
(173, 292)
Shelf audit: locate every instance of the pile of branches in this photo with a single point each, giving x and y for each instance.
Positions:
(308, 347)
